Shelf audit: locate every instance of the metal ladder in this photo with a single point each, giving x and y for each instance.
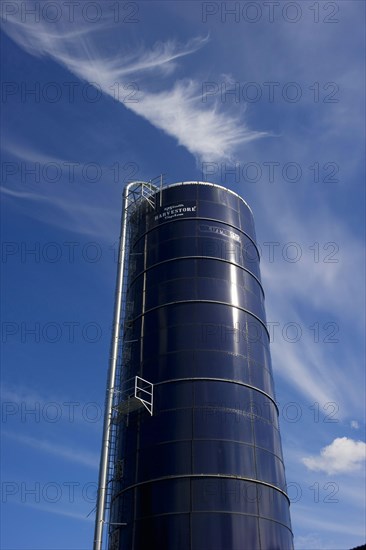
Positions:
(134, 193)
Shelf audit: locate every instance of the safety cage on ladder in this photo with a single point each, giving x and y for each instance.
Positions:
(137, 393)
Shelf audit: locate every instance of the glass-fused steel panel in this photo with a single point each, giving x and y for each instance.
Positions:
(206, 470)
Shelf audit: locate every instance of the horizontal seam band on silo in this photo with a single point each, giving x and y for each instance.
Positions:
(226, 352)
(227, 304)
(215, 440)
(199, 258)
(208, 511)
(200, 476)
(214, 379)
(199, 218)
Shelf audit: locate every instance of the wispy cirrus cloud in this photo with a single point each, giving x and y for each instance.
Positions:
(80, 456)
(54, 508)
(310, 299)
(83, 219)
(315, 292)
(18, 400)
(320, 525)
(312, 541)
(209, 132)
(64, 208)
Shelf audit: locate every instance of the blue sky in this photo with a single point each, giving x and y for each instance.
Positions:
(264, 98)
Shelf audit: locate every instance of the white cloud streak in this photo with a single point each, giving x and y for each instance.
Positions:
(85, 458)
(209, 132)
(311, 522)
(342, 456)
(59, 511)
(313, 290)
(18, 400)
(310, 542)
(83, 219)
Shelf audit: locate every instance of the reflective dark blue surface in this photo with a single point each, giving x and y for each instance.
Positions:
(206, 470)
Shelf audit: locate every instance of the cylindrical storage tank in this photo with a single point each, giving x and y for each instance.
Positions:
(205, 471)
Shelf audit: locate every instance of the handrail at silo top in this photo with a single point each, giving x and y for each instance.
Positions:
(208, 184)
